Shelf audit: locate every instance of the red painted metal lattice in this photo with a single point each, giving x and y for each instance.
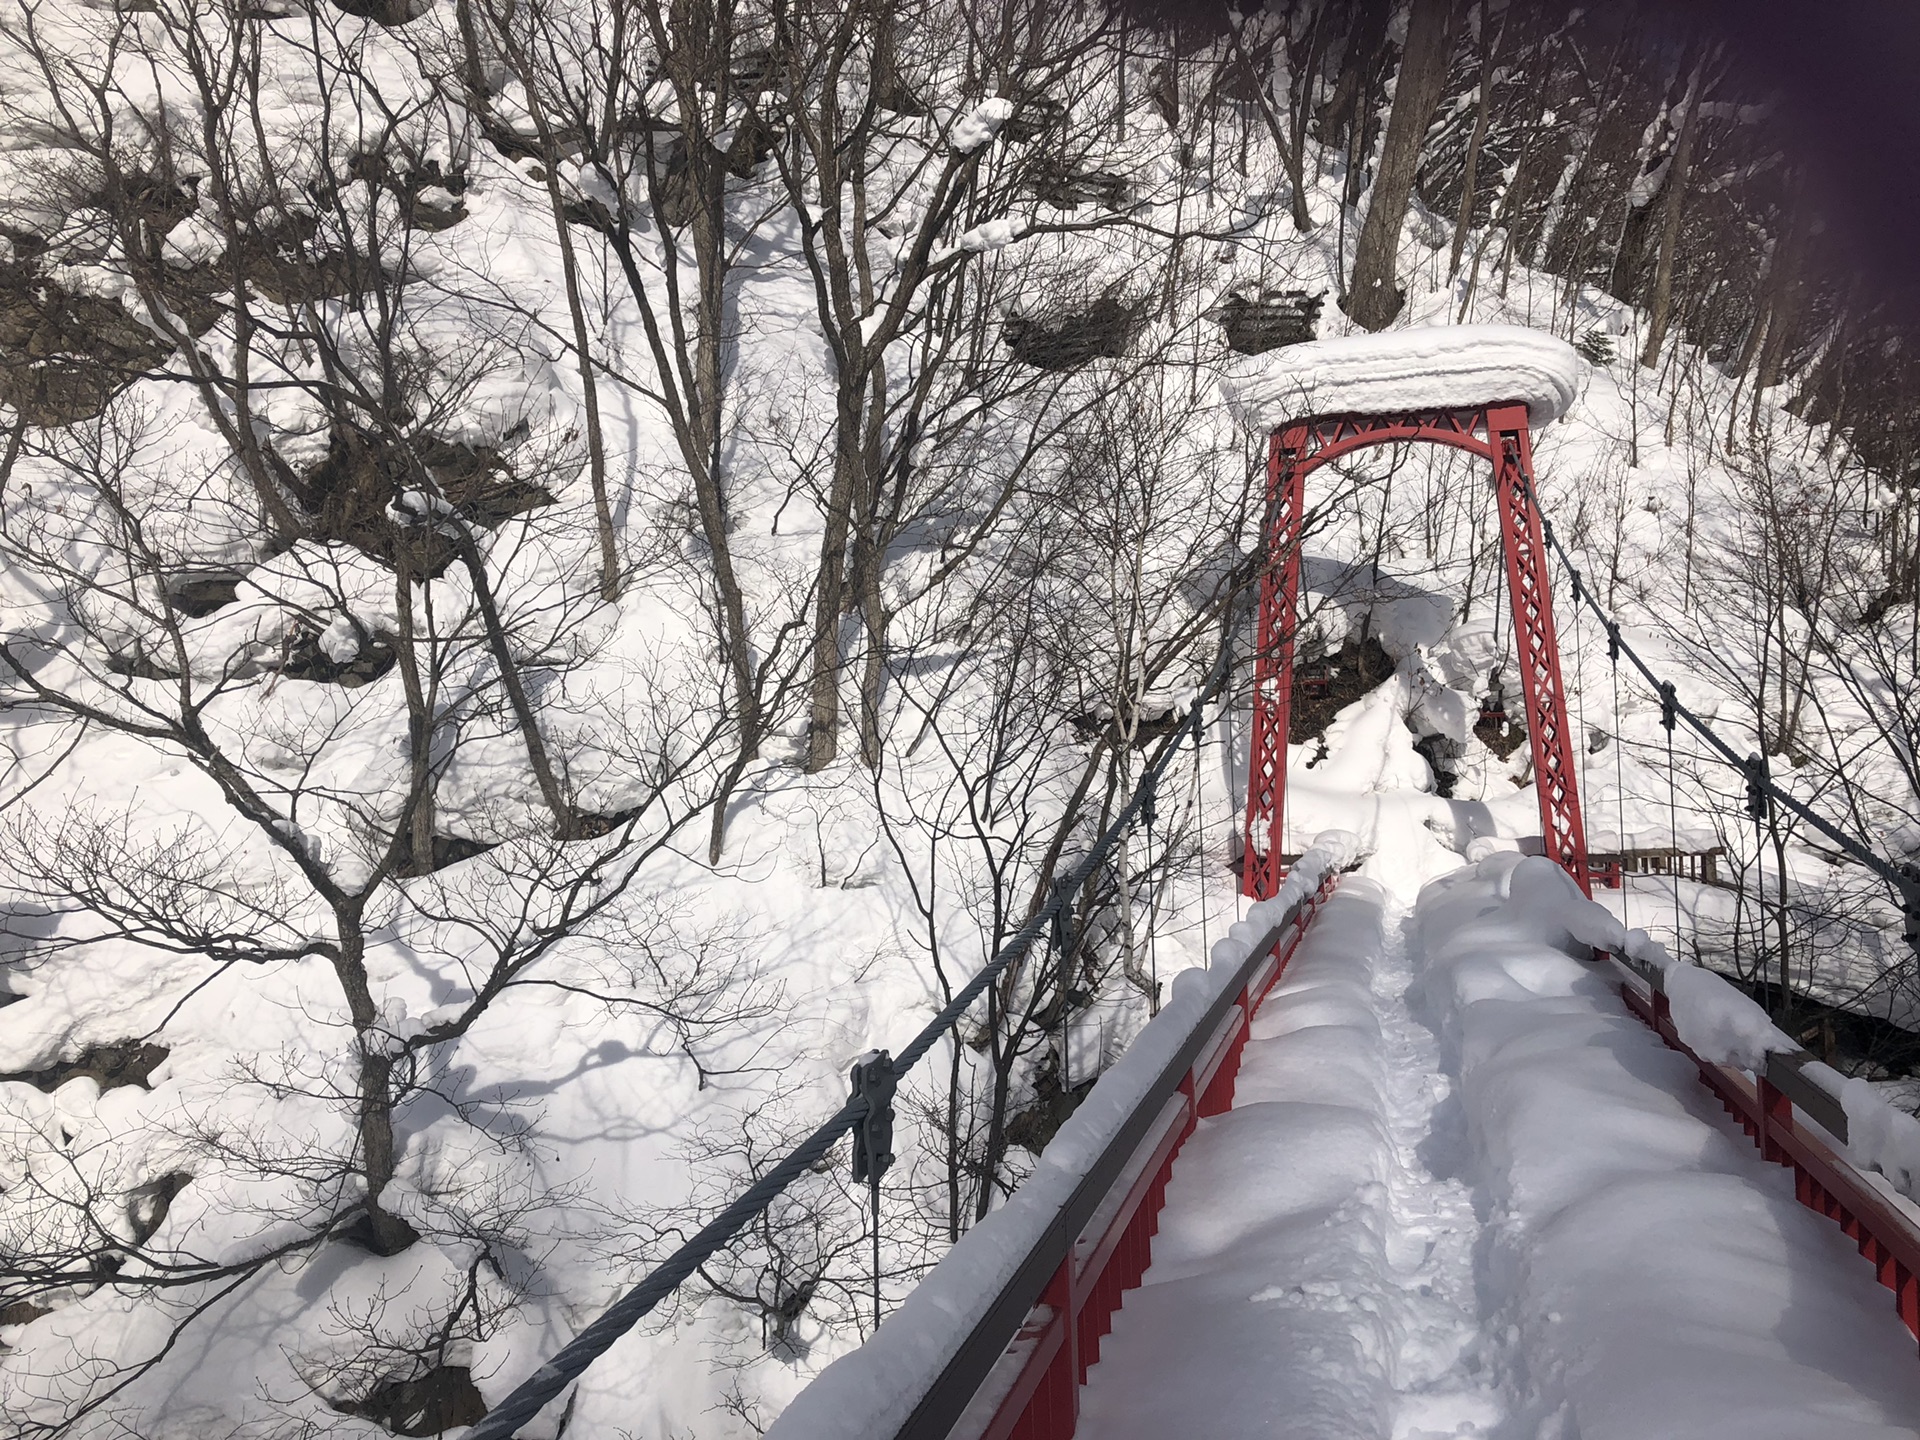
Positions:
(1273, 664)
(1498, 434)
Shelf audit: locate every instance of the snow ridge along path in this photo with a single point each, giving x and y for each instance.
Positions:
(1646, 1273)
(1442, 1388)
(1313, 1278)
(1523, 1220)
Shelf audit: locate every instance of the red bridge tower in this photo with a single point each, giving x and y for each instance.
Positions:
(1499, 433)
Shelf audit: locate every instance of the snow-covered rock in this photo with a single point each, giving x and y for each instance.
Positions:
(1444, 367)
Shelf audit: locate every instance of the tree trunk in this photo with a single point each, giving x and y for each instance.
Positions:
(1463, 221)
(689, 360)
(873, 675)
(1347, 119)
(385, 1233)
(696, 432)
(609, 584)
(1279, 112)
(1783, 305)
(1660, 309)
(501, 649)
(823, 728)
(1373, 298)
(420, 705)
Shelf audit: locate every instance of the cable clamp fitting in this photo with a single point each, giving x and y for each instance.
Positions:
(874, 1082)
(1759, 798)
(1910, 902)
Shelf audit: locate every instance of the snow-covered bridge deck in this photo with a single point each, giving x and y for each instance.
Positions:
(1462, 1189)
(1313, 1275)
(1462, 1192)
(1457, 1189)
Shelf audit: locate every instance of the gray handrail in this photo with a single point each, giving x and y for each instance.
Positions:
(568, 1363)
(973, 1360)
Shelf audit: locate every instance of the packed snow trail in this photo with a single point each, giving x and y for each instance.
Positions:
(1312, 1277)
(1538, 1226)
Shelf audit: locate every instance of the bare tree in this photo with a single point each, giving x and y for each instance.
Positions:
(1373, 295)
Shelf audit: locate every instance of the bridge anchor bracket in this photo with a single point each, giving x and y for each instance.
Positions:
(873, 1081)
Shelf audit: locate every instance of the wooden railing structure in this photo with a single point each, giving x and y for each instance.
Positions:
(1610, 867)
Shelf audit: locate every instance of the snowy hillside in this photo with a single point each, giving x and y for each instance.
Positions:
(567, 571)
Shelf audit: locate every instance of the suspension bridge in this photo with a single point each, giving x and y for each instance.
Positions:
(1258, 1223)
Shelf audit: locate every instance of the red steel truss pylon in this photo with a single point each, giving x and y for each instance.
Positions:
(1531, 597)
(1263, 869)
(1499, 434)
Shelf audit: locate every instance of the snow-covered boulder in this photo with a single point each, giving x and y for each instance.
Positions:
(1441, 367)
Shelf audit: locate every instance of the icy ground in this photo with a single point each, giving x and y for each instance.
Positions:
(1463, 1193)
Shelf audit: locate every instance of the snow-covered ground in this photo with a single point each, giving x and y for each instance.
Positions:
(638, 1074)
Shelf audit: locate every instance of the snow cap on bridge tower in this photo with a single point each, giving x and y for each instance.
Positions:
(1438, 367)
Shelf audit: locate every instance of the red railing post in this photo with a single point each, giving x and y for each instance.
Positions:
(1775, 1110)
(1054, 1407)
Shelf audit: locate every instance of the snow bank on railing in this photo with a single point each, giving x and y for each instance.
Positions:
(1880, 1137)
(1441, 367)
(868, 1394)
(1712, 1017)
(1642, 1273)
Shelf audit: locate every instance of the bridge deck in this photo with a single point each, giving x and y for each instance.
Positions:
(1552, 1232)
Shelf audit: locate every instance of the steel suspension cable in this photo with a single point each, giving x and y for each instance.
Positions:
(1148, 815)
(1760, 938)
(572, 1359)
(1200, 837)
(1667, 721)
(1906, 882)
(1619, 765)
(1582, 734)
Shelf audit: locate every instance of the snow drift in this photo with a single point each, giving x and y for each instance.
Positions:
(1651, 1274)
(1451, 367)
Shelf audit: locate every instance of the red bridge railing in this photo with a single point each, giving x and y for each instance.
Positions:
(1036, 1381)
(1789, 1114)
(1013, 1367)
